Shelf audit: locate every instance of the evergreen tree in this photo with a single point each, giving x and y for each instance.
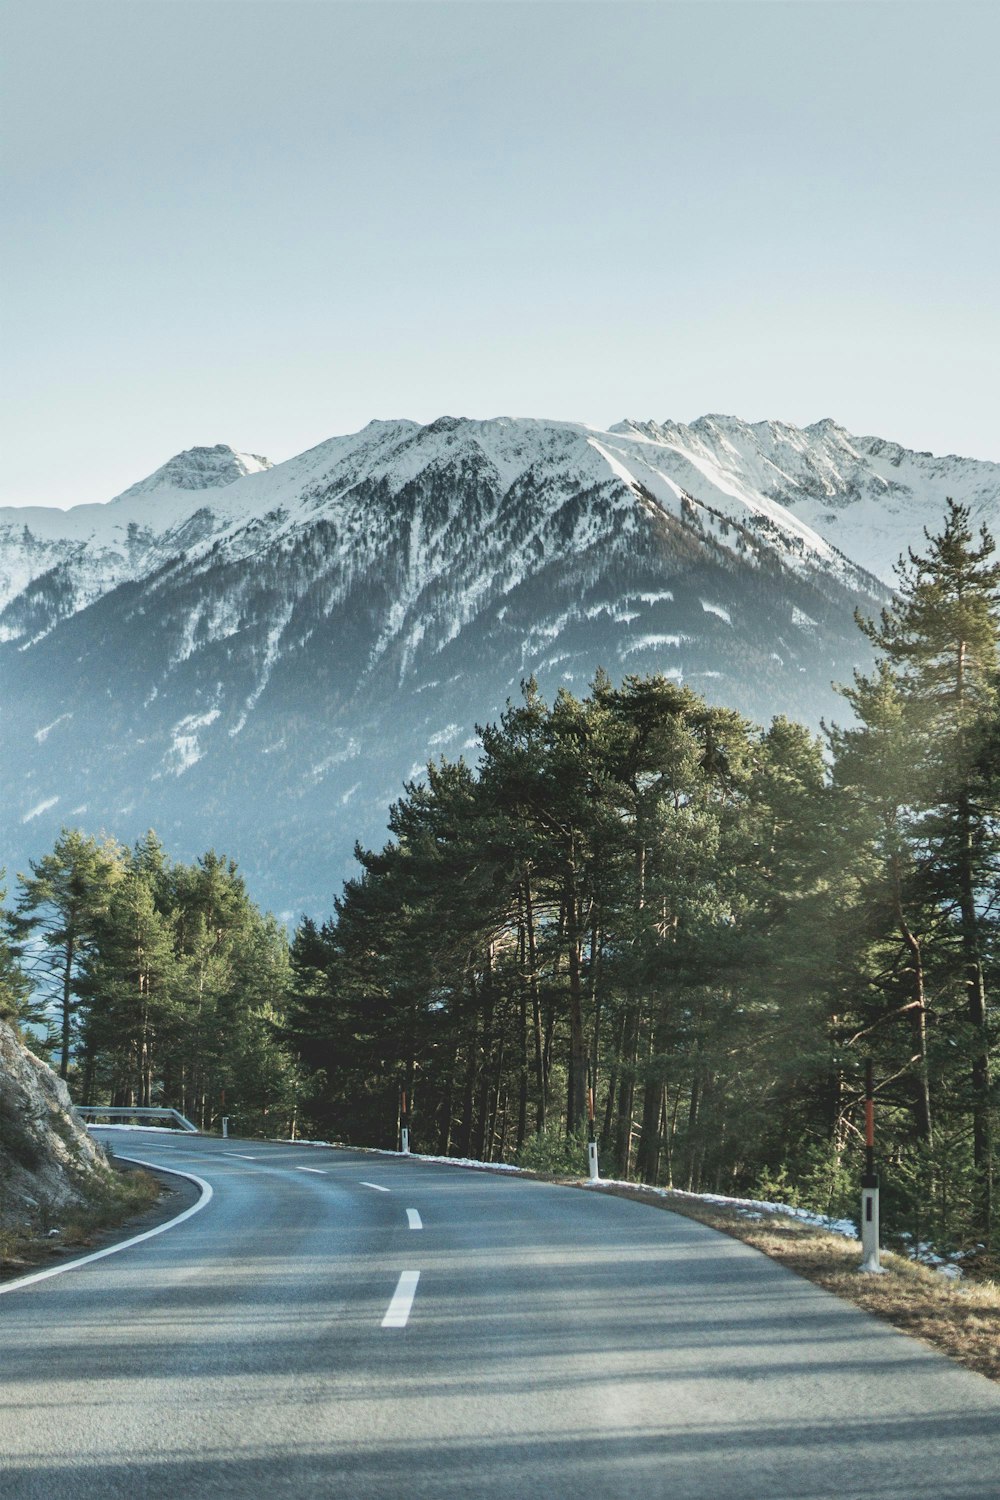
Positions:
(60, 905)
(130, 974)
(927, 715)
(14, 986)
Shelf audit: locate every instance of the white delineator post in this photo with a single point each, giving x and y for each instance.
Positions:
(592, 1168)
(225, 1127)
(869, 1186)
(404, 1125)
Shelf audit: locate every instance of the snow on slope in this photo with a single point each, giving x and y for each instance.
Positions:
(869, 497)
(93, 548)
(817, 497)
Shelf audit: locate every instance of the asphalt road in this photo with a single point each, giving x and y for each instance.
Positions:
(334, 1323)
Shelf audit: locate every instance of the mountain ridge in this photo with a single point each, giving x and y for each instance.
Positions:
(261, 668)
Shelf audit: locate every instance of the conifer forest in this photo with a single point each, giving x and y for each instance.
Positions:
(708, 926)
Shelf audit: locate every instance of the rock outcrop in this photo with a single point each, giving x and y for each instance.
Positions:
(48, 1161)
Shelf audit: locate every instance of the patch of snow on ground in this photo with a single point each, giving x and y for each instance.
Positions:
(446, 735)
(654, 598)
(39, 808)
(716, 609)
(844, 1227)
(752, 1207)
(185, 750)
(41, 735)
(618, 469)
(652, 642)
(270, 657)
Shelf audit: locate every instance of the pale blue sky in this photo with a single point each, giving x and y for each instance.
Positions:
(264, 222)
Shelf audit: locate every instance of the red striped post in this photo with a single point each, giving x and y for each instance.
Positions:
(592, 1167)
(869, 1183)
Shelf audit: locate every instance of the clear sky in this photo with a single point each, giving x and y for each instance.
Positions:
(265, 222)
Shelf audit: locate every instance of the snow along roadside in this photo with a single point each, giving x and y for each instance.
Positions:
(750, 1208)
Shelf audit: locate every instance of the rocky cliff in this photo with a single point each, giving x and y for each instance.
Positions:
(48, 1162)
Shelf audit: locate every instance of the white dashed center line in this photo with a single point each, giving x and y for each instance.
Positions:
(413, 1219)
(241, 1154)
(320, 1170)
(376, 1186)
(402, 1300)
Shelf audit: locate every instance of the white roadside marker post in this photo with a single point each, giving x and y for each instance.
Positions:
(592, 1167)
(225, 1127)
(404, 1124)
(869, 1185)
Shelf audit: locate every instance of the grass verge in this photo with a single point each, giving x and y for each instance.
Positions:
(960, 1318)
(30, 1247)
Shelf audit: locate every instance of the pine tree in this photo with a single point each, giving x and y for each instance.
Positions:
(940, 639)
(60, 904)
(128, 989)
(14, 986)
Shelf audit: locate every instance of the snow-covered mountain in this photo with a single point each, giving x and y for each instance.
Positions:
(254, 657)
(55, 562)
(869, 497)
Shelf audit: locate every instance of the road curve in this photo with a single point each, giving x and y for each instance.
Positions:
(343, 1324)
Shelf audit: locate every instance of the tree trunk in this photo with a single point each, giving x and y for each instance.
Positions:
(541, 1070)
(626, 1090)
(576, 1106)
(918, 1014)
(975, 989)
(67, 994)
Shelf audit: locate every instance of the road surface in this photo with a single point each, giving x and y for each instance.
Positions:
(335, 1323)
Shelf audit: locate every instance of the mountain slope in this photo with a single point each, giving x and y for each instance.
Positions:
(54, 562)
(867, 496)
(281, 648)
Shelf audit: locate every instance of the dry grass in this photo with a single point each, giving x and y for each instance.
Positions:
(960, 1318)
(31, 1247)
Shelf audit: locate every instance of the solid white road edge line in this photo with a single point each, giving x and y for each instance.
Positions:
(84, 1260)
(320, 1170)
(413, 1219)
(402, 1300)
(376, 1186)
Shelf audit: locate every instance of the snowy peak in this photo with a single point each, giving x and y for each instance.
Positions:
(200, 469)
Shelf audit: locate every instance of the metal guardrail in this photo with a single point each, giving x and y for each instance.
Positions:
(135, 1112)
